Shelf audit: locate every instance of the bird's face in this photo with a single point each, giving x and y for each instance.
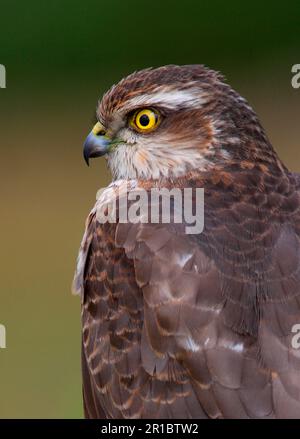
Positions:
(165, 122)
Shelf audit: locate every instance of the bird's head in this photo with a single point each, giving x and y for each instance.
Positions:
(168, 121)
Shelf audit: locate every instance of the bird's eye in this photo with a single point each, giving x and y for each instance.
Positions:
(145, 120)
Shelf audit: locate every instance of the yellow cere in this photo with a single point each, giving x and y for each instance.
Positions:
(97, 128)
(145, 120)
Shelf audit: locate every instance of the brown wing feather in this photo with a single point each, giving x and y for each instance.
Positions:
(192, 327)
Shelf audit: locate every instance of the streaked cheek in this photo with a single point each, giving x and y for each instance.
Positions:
(142, 157)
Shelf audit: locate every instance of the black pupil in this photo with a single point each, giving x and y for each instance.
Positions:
(144, 120)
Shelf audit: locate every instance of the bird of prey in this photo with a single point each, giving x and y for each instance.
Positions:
(178, 325)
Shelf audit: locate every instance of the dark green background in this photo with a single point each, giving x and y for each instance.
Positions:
(60, 57)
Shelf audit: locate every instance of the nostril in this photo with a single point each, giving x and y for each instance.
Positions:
(101, 133)
(98, 129)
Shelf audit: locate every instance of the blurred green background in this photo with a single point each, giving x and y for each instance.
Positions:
(60, 57)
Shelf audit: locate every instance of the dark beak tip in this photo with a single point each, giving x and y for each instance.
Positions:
(94, 147)
(86, 157)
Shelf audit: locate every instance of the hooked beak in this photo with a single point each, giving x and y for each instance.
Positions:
(96, 143)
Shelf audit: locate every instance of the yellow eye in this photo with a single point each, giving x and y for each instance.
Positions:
(145, 120)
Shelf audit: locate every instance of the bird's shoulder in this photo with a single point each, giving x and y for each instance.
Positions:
(218, 307)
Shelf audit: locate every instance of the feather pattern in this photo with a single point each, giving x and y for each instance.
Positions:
(195, 326)
(199, 326)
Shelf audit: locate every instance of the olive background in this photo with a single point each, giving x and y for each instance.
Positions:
(60, 57)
